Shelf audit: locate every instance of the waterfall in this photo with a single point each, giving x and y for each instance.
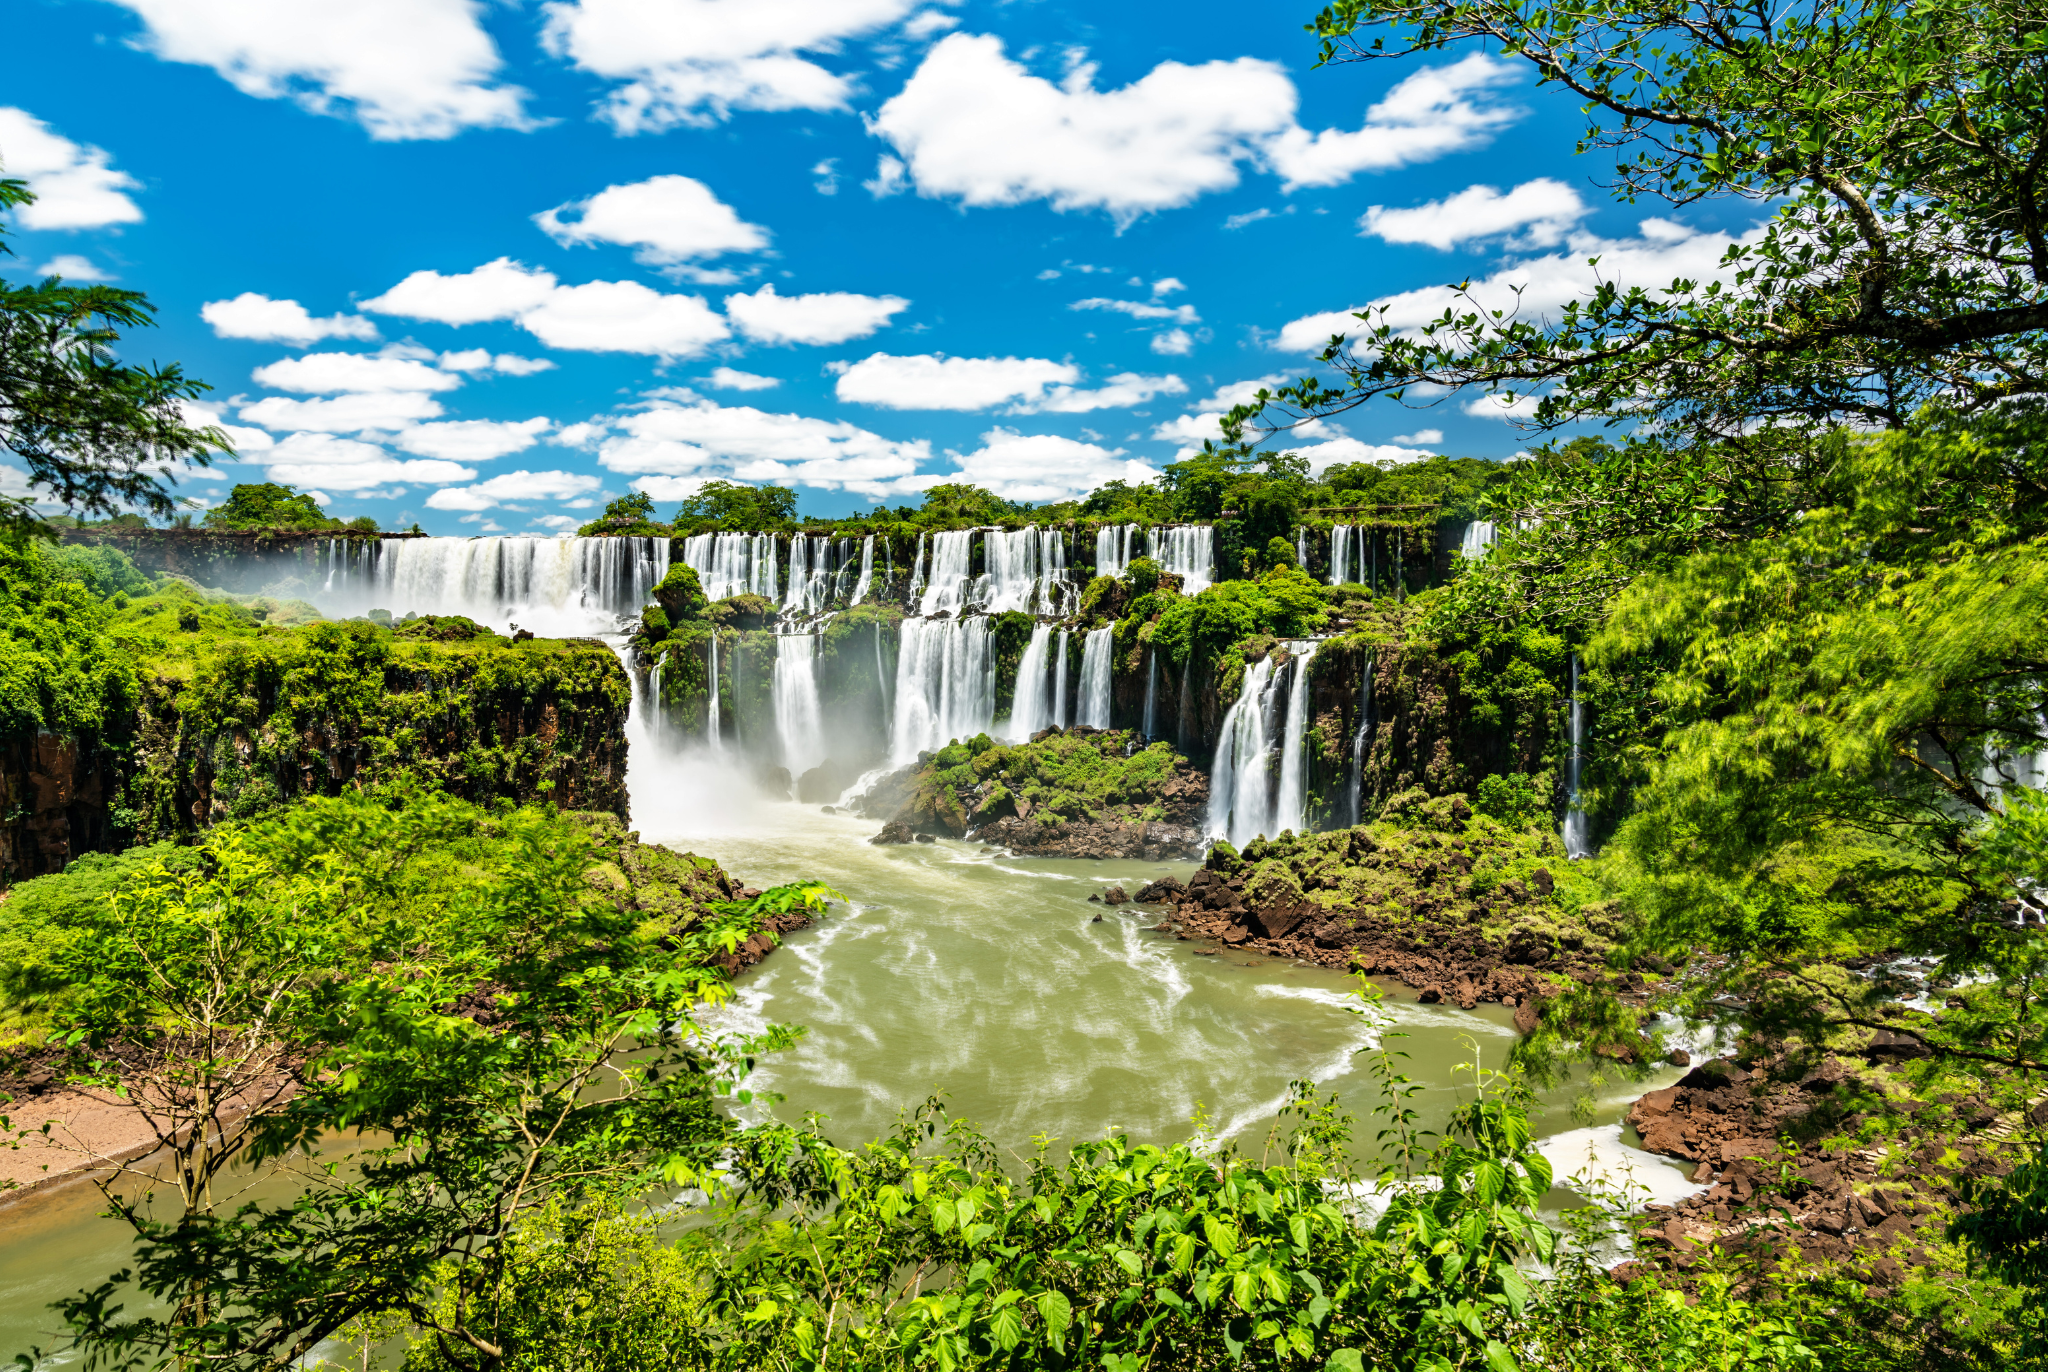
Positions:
(1189, 552)
(1030, 710)
(1292, 808)
(1301, 547)
(1342, 554)
(799, 723)
(1576, 844)
(1479, 536)
(1010, 581)
(652, 705)
(1053, 577)
(1059, 683)
(882, 680)
(563, 587)
(1358, 739)
(713, 730)
(810, 575)
(1238, 780)
(952, 562)
(917, 569)
(1113, 548)
(867, 570)
(945, 685)
(1095, 679)
(1151, 689)
(732, 564)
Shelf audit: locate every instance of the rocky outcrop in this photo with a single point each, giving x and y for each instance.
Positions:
(1779, 1144)
(1137, 840)
(54, 801)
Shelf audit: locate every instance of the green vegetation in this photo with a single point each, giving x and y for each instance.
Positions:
(1062, 777)
(96, 433)
(268, 505)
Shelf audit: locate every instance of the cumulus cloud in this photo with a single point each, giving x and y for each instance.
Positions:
(345, 414)
(75, 184)
(599, 316)
(703, 439)
(497, 290)
(202, 413)
(69, 264)
(1500, 405)
(1018, 466)
(828, 317)
(1205, 420)
(1425, 437)
(695, 61)
(480, 360)
(250, 315)
(731, 379)
(325, 373)
(975, 126)
(1173, 343)
(473, 440)
(401, 68)
(1321, 456)
(1140, 309)
(1543, 210)
(1661, 252)
(347, 464)
(1025, 385)
(670, 221)
(511, 486)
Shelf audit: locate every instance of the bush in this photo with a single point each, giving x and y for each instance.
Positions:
(1511, 798)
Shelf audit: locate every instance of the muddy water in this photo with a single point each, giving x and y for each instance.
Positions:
(951, 968)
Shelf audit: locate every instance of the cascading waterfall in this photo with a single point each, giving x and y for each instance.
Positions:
(1151, 690)
(1290, 813)
(1301, 547)
(562, 587)
(867, 570)
(1359, 738)
(1239, 780)
(1030, 706)
(945, 685)
(952, 565)
(1113, 548)
(1576, 844)
(917, 570)
(799, 722)
(651, 707)
(1010, 581)
(1053, 576)
(732, 564)
(1059, 683)
(810, 575)
(1188, 551)
(1344, 551)
(713, 730)
(1478, 537)
(1094, 712)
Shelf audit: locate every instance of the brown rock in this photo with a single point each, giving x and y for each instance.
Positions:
(1526, 1017)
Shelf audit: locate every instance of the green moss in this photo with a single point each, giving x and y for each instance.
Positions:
(1066, 775)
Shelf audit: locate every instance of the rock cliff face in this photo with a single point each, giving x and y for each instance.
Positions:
(229, 726)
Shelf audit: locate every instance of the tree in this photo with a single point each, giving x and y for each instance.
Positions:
(96, 433)
(449, 988)
(268, 505)
(740, 508)
(1906, 260)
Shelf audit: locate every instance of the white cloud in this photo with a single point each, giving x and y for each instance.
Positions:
(828, 317)
(1190, 429)
(502, 289)
(975, 126)
(1141, 309)
(827, 173)
(1243, 392)
(480, 360)
(599, 316)
(559, 523)
(513, 486)
(473, 440)
(1661, 252)
(70, 265)
(1238, 221)
(74, 185)
(694, 61)
(1543, 209)
(344, 413)
(1425, 437)
(200, 413)
(705, 439)
(730, 379)
(924, 25)
(250, 315)
(330, 372)
(1501, 406)
(625, 317)
(670, 220)
(934, 382)
(1322, 456)
(1167, 285)
(1026, 385)
(1173, 343)
(1042, 466)
(345, 464)
(401, 68)
(1435, 111)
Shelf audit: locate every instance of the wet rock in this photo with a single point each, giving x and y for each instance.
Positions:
(1527, 1017)
(1164, 891)
(895, 831)
(1095, 899)
(1115, 896)
(927, 838)
(1680, 1058)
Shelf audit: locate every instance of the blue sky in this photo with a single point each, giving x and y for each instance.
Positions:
(483, 266)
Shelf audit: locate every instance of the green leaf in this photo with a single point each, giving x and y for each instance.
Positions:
(1344, 1360)
(1057, 1313)
(1006, 1328)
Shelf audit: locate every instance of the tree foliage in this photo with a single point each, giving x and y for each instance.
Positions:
(268, 505)
(96, 433)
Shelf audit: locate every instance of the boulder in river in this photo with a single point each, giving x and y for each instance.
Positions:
(895, 831)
